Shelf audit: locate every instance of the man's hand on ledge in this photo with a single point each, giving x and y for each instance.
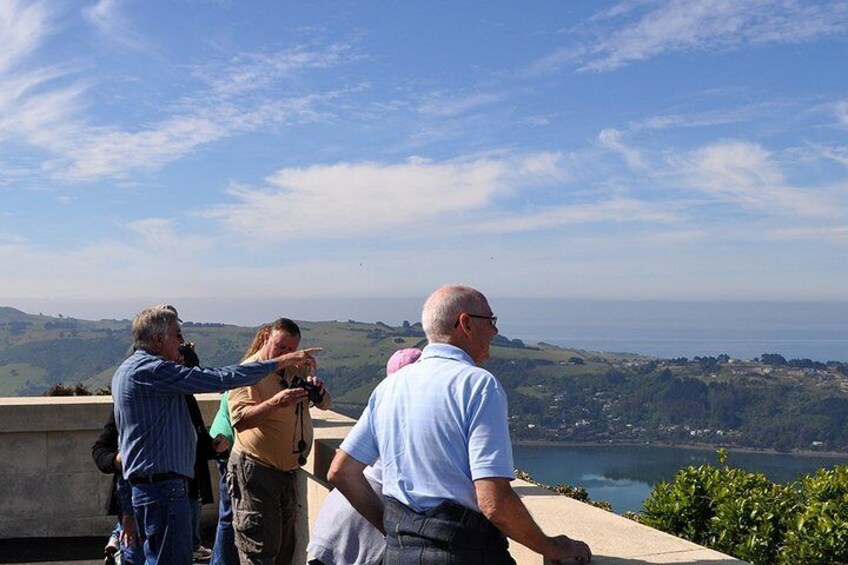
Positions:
(566, 550)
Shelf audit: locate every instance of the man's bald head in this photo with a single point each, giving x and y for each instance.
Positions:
(443, 307)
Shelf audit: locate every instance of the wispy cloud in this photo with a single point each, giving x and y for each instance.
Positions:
(52, 115)
(716, 117)
(23, 27)
(11, 238)
(833, 233)
(745, 174)
(615, 210)
(107, 17)
(842, 112)
(441, 105)
(162, 233)
(631, 32)
(838, 154)
(252, 72)
(110, 152)
(611, 139)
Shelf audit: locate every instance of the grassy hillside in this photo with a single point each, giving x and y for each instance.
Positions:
(555, 393)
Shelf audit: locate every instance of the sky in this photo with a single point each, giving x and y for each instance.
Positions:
(219, 153)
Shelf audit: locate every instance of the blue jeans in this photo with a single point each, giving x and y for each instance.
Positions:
(128, 554)
(196, 509)
(224, 551)
(164, 519)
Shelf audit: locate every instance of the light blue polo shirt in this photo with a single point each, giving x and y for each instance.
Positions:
(437, 425)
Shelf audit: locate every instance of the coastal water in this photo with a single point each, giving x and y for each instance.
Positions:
(624, 475)
(743, 330)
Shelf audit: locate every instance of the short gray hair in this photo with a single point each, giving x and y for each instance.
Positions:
(443, 307)
(152, 321)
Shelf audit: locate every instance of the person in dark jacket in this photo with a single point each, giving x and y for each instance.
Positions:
(200, 487)
(104, 451)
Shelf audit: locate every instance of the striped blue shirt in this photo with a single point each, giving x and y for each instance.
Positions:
(155, 433)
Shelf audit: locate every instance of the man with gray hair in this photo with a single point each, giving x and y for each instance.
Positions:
(155, 433)
(440, 428)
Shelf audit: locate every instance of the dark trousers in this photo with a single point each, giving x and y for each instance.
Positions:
(449, 534)
(265, 507)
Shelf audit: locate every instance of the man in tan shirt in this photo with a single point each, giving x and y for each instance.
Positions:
(273, 438)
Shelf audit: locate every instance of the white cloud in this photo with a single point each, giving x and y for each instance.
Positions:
(614, 210)
(11, 238)
(546, 167)
(688, 25)
(445, 106)
(251, 72)
(555, 61)
(716, 117)
(162, 234)
(838, 154)
(371, 199)
(833, 233)
(745, 174)
(842, 112)
(357, 199)
(22, 30)
(45, 107)
(114, 153)
(106, 16)
(611, 139)
(93, 153)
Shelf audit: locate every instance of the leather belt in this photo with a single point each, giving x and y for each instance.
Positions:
(157, 478)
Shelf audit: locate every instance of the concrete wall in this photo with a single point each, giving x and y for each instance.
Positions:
(49, 486)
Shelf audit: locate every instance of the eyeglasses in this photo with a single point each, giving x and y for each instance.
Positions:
(493, 320)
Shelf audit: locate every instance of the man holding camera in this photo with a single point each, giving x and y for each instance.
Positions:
(273, 438)
(155, 433)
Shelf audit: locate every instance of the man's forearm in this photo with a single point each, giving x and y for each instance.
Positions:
(503, 507)
(254, 415)
(363, 498)
(346, 475)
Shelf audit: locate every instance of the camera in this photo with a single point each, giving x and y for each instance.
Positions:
(190, 358)
(315, 393)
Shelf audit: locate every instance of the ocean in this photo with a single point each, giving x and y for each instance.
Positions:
(743, 330)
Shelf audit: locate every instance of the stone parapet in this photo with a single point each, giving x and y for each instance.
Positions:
(51, 488)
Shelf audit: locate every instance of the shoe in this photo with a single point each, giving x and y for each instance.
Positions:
(202, 553)
(111, 550)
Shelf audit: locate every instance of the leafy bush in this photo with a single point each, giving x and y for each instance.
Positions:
(747, 516)
(818, 534)
(59, 389)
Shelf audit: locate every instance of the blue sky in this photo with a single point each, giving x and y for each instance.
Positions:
(257, 151)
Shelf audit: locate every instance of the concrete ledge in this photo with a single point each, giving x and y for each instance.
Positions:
(50, 487)
(614, 540)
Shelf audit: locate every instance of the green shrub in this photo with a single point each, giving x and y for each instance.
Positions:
(818, 532)
(746, 515)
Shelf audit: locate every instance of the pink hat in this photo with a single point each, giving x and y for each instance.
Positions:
(401, 358)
